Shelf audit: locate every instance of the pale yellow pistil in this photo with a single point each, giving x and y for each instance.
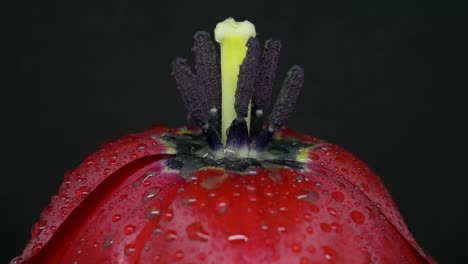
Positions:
(232, 37)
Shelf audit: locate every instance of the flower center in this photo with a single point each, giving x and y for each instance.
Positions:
(228, 102)
(193, 154)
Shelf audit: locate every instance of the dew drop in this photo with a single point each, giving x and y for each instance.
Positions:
(150, 194)
(299, 178)
(195, 231)
(82, 191)
(296, 247)
(329, 254)
(336, 227)
(116, 218)
(332, 211)
(108, 242)
(221, 207)
(238, 238)
(16, 260)
(141, 146)
(308, 196)
(357, 217)
(171, 235)
(37, 228)
(250, 188)
(307, 217)
(36, 248)
(152, 212)
(129, 229)
(338, 196)
(157, 230)
(281, 229)
(310, 230)
(188, 201)
(178, 255)
(253, 170)
(129, 249)
(168, 215)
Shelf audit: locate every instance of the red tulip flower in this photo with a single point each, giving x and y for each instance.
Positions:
(234, 186)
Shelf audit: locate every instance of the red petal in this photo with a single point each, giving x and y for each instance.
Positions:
(88, 175)
(335, 211)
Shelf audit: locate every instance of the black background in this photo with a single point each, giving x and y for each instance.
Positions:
(384, 80)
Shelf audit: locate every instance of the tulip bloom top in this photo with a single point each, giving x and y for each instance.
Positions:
(228, 188)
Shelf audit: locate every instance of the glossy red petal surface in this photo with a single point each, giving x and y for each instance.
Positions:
(79, 183)
(334, 211)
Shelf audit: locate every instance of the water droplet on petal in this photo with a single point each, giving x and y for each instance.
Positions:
(238, 238)
(250, 188)
(116, 218)
(336, 227)
(82, 191)
(171, 235)
(152, 212)
(357, 217)
(195, 231)
(16, 260)
(178, 255)
(129, 229)
(308, 196)
(108, 242)
(188, 201)
(332, 211)
(168, 215)
(37, 228)
(281, 229)
(150, 194)
(329, 254)
(157, 230)
(296, 247)
(221, 207)
(36, 248)
(299, 178)
(338, 196)
(141, 146)
(129, 249)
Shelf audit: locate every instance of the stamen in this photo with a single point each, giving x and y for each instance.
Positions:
(207, 67)
(237, 137)
(287, 97)
(220, 100)
(247, 75)
(264, 85)
(213, 138)
(192, 94)
(266, 76)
